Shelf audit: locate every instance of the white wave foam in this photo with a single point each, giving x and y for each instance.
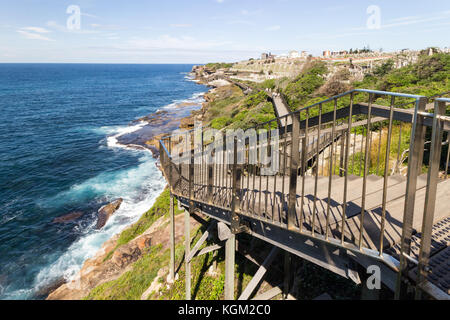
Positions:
(139, 188)
(112, 141)
(196, 98)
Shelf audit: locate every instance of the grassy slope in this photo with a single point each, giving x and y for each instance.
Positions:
(159, 209)
(230, 108)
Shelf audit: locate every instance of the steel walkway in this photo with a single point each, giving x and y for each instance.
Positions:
(353, 196)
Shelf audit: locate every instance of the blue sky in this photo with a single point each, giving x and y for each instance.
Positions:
(200, 31)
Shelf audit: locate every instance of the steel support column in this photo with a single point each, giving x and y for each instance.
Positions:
(230, 250)
(287, 274)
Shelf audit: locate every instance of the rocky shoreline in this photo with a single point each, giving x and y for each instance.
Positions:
(99, 269)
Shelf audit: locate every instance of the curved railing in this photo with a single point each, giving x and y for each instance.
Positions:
(318, 175)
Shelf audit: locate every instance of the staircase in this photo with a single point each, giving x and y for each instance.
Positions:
(342, 190)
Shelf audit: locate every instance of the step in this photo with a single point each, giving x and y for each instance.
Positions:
(321, 205)
(394, 217)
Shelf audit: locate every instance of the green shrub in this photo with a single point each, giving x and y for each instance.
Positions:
(255, 99)
(302, 88)
(220, 122)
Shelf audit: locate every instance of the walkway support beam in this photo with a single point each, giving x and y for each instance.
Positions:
(259, 274)
(287, 274)
(187, 244)
(230, 250)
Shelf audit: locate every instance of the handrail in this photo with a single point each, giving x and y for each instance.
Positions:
(352, 149)
(404, 95)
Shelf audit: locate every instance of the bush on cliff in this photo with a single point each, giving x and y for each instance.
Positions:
(218, 65)
(220, 122)
(159, 209)
(302, 88)
(429, 76)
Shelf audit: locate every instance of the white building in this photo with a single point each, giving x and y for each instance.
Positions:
(294, 54)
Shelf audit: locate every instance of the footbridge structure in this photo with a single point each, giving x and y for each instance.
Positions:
(356, 180)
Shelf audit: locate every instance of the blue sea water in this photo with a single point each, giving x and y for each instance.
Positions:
(58, 155)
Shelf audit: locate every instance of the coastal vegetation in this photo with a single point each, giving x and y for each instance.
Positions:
(229, 107)
(158, 210)
(207, 273)
(216, 66)
(429, 76)
(302, 88)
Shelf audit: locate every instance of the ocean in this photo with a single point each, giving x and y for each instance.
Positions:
(59, 126)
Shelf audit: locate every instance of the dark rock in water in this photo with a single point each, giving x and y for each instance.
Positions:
(105, 212)
(46, 290)
(68, 217)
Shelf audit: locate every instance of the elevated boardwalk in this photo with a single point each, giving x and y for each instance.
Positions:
(281, 110)
(345, 199)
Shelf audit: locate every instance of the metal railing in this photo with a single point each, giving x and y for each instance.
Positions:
(344, 141)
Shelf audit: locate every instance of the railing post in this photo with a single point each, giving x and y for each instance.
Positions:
(414, 163)
(230, 245)
(303, 167)
(210, 170)
(187, 225)
(448, 156)
(342, 154)
(170, 164)
(235, 199)
(430, 196)
(293, 175)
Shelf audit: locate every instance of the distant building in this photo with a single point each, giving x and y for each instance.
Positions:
(267, 56)
(294, 54)
(328, 53)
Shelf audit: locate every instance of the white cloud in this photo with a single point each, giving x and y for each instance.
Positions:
(35, 29)
(413, 20)
(33, 36)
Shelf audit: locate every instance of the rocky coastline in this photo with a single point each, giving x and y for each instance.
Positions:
(108, 263)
